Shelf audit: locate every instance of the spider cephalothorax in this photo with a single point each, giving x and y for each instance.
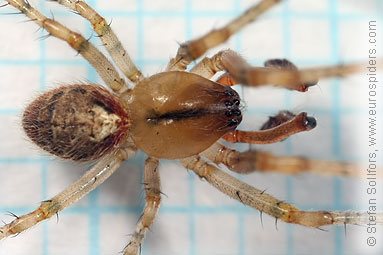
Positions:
(191, 112)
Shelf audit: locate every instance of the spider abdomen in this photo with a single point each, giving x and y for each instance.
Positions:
(78, 122)
(179, 114)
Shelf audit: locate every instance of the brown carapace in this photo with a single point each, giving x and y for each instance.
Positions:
(176, 110)
(173, 115)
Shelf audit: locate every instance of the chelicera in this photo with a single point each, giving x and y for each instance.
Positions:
(175, 115)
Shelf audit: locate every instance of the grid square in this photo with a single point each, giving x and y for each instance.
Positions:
(217, 233)
(123, 188)
(325, 246)
(74, 227)
(162, 47)
(18, 191)
(354, 96)
(17, 83)
(354, 6)
(14, 143)
(264, 98)
(213, 5)
(117, 226)
(309, 198)
(65, 74)
(309, 6)
(117, 5)
(25, 243)
(258, 42)
(160, 243)
(19, 46)
(355, 47)
(356, 193)
(176, 188)
(263, 237)
(357, 147)
(305, 34)
(164, 5)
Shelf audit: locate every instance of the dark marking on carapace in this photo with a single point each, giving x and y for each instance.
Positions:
(179, 115)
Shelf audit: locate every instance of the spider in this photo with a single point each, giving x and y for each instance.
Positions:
(130, 132)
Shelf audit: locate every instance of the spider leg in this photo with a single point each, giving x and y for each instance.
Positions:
(89, 181)
(282, 74)
(265, 203)
(192, 50)
(153, 199)
(102, 65)
(107, 36)
(253, 160)
(228, 80)
(299, 123)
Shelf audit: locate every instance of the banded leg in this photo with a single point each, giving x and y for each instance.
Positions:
(153, 199)
(251, 161)
(278, 74)
(191, 50)
(88, 182)
(297, 124)
(263, 202)
(102, 65)
(107, 36)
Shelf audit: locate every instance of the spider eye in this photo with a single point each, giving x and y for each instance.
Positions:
(229, 93)
(228, 103)
(233, 122)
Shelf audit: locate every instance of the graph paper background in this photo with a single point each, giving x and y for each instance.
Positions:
(194, 218)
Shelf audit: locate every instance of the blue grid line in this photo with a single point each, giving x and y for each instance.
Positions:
(214, 14)
(43, 66)
(334, 31)
(94, 214)
(240, 214)
(287, 98)
(166, 209)
(191, 179)
(44, 195)
(286, 16)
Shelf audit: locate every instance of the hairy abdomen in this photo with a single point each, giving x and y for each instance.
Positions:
(78, 122)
